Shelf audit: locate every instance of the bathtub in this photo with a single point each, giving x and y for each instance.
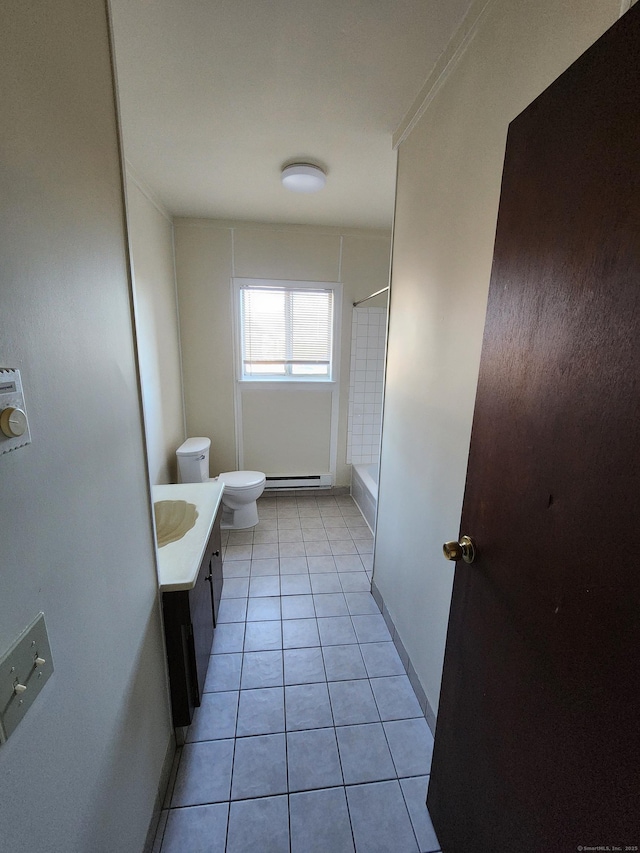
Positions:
(364, 490)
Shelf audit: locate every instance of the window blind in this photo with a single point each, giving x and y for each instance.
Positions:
(286, 331)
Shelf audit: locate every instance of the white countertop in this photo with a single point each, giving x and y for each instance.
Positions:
(178, 562)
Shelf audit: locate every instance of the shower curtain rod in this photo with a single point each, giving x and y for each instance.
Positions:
(377, 293)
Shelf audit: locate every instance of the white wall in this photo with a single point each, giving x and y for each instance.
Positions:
(449, 176)
(301, 414)
(81, 771)
(157, 333)
(208, 254)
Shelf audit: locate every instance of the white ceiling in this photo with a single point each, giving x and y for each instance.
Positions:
(217, 95)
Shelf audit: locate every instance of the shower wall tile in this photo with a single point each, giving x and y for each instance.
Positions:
(368, 332)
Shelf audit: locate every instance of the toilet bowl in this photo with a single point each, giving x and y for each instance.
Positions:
(241, 488)
(241, 491)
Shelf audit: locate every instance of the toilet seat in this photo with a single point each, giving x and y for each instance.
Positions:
(237, 481)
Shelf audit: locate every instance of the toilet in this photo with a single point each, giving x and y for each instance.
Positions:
(241, 488)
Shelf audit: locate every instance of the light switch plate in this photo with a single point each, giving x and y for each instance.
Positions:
(24, 670)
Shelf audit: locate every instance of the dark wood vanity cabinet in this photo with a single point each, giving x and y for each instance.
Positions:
(189, 621)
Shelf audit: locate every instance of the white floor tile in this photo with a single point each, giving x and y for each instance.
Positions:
(306, 696)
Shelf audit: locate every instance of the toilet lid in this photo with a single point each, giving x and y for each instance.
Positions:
(194, 446)
(242, 479)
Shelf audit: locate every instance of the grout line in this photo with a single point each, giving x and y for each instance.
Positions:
(286, 737)
(233, 757)
(406, 805)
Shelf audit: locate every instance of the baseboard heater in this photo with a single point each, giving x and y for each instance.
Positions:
(302, 481)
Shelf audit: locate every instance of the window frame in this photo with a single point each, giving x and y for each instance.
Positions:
(238, 284)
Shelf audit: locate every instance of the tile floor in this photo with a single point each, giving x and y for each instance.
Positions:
(309, 738)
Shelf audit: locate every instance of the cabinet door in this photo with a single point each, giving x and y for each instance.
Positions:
(215, 566)
(202, 622)
(181, 658)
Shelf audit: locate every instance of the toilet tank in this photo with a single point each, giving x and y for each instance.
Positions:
(193, 460)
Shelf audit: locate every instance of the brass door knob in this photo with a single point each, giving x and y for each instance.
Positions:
(465, 550)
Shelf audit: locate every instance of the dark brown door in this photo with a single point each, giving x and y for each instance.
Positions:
(538, 737)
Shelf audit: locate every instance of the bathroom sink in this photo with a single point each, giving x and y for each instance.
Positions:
(173, 520)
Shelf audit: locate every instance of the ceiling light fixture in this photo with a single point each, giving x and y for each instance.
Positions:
(303, 178)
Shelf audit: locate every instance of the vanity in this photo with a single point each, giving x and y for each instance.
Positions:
(190, 576)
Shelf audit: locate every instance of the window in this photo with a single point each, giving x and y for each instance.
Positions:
(286, 330)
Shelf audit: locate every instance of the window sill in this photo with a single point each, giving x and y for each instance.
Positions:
(292, 383)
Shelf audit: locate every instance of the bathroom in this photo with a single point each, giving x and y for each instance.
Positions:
(77, 538)
(281, 429)
(206, 311)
